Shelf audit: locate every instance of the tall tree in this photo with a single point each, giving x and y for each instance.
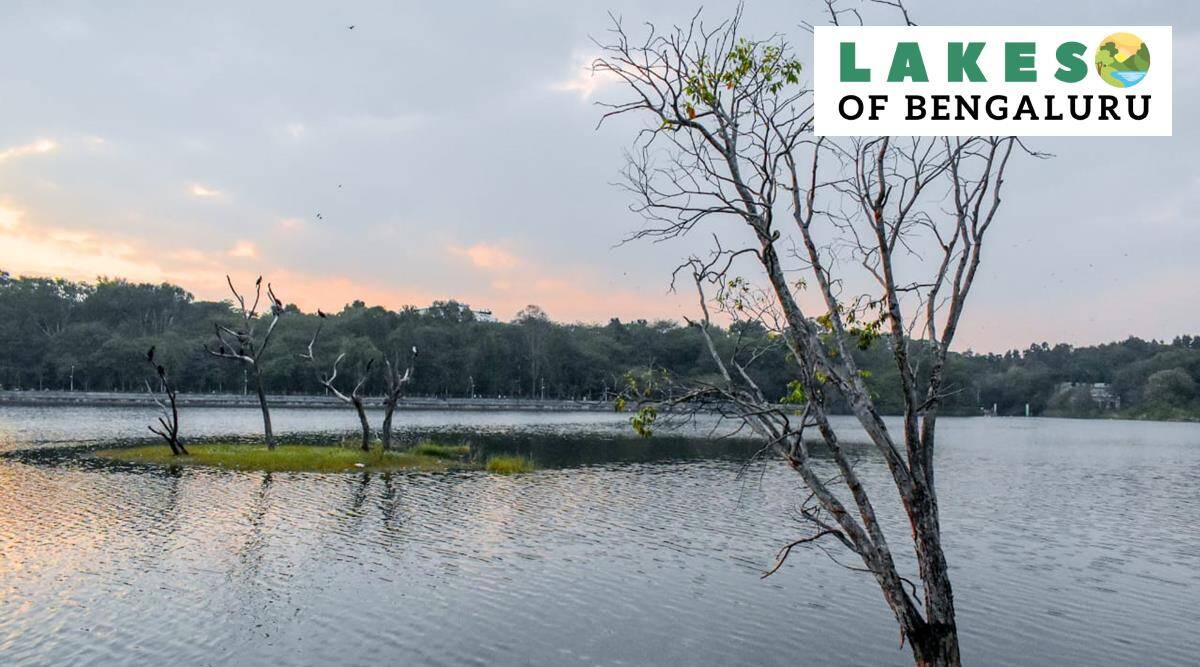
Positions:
(729, 135)
(242, 344)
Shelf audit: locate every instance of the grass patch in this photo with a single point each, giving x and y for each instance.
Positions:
(440, 451)
(509, 465)
(287, 458)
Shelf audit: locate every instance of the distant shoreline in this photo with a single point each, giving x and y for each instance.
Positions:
(55, 398)
(143, 399)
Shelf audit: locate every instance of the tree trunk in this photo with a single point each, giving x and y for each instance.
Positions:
(266, 412)
(362, 420)
(385, 436)
(935, 645)
(177, 447)
(941, 636)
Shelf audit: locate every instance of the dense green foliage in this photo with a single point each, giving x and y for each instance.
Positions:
(53, 332)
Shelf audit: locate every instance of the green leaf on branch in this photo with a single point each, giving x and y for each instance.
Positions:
(795, 395)
(643, 420)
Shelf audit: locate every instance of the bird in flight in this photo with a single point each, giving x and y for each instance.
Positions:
(350, 27)
(319, 216)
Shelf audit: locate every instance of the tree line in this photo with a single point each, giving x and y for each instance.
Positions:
(93, 336)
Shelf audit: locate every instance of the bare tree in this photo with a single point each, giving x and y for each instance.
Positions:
(396, 382)
(354, 398)
(855, 243)
(243, 346)
(168, 421)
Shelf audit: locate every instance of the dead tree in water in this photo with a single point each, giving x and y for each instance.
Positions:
(354, 398)
(241, 345)
(396, 381)
(168, 421)
(849, 244)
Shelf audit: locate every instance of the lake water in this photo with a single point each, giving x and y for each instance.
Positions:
(1071, 542)
(1128, 78)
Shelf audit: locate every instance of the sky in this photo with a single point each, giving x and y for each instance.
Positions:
(447, 150)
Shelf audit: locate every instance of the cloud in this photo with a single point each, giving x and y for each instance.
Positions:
(35, 148)
(10, 216)
(244, 249)
(486, 256)
(580, 297)
(29, 246)
(378, 126)
(294, 130)
(197, 190)
(585, 80)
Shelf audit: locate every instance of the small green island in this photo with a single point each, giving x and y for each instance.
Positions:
(423, 457)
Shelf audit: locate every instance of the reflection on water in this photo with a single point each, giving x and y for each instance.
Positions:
(1071, 542)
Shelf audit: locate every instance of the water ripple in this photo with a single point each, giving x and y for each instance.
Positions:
(1070, 542)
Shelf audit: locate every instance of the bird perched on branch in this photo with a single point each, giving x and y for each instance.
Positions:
(150, 354)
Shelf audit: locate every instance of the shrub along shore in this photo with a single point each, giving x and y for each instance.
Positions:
(424, 457)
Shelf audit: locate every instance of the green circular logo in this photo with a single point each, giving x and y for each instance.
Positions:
(1122, 59)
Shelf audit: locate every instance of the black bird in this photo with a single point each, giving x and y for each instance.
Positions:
(221, 349)
(319, 216)
(150, 354)
(321, 314)
(241, 352)
(350, 27)
(161, 371)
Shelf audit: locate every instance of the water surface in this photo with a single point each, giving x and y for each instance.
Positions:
(1070, 542)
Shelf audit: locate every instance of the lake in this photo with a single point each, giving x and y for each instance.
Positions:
(1071, 542)
(1128, 78)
